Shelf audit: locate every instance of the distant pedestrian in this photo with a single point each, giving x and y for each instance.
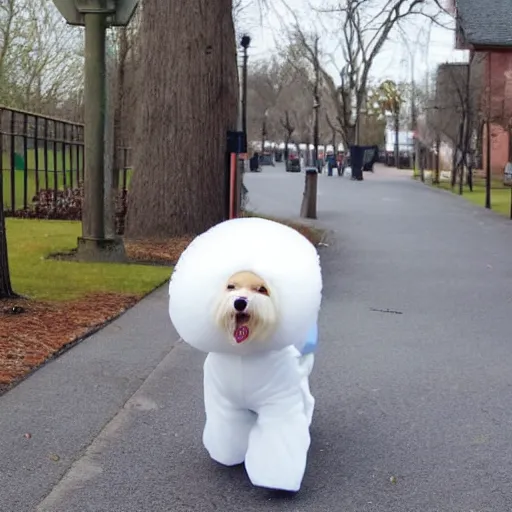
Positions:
(254, 162)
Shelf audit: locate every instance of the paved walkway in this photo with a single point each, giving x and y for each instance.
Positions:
(413, 379)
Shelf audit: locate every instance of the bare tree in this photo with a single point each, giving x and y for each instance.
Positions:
(40, 57)
(10, 28)
(188, 102)
(364, 27)
(289, 129)
(269, 83)
(457, 106)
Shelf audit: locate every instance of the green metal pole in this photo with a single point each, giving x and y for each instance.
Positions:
(93, 222)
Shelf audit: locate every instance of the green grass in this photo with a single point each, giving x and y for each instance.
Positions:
(35, 276)
(500, 195)
(66, 167)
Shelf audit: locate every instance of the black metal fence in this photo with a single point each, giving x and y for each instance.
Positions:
(39, 152)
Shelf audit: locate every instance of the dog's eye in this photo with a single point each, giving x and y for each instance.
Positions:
(231, 286)
(262, 290)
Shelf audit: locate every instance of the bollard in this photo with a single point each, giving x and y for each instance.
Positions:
(308, 208)
(238, 184)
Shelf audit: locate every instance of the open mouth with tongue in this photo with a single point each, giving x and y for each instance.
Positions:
(241, 330)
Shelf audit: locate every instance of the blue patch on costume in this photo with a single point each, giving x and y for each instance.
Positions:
(311, 341)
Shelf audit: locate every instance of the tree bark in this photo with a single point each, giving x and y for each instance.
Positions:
(188, 102)
(437, 170)
(286, 151)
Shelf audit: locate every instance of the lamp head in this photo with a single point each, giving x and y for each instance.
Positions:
(245, 42)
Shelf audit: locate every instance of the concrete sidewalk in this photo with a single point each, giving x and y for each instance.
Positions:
(67, 403)
(412, 380)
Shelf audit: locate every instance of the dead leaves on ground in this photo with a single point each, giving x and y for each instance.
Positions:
(157, 251)
(30, 337)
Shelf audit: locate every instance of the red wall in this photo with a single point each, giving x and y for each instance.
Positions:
(500, 67)
(499, 149)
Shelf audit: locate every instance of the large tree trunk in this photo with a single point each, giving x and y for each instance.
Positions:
(189, 100)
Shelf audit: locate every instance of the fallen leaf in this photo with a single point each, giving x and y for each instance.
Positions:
(54, 457)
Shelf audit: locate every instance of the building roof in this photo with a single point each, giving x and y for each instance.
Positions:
(485, 23)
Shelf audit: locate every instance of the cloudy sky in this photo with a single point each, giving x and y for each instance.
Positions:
(428, 43)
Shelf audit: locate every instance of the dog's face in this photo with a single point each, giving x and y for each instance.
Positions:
(246, 309)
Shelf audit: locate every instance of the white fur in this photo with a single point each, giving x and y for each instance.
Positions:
(257, 398)
(284, 258)
(263, 315)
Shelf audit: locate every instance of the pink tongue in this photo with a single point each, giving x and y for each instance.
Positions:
(241, 333)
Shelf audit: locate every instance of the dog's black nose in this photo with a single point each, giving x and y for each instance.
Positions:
(240, 304)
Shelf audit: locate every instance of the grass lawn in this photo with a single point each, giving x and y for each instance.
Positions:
(62, 168)
(500, 195)
(30, 241)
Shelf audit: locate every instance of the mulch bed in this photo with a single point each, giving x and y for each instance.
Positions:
(156, 251)
(31, 332)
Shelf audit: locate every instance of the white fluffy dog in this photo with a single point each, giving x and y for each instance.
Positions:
(248, 292)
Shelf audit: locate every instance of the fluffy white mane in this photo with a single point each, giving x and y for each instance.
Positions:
(280, 255)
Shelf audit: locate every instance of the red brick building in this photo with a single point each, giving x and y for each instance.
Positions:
(485, 29)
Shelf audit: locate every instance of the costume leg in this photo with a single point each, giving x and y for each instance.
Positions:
(306, 364)
(227, 428)
(279, 444)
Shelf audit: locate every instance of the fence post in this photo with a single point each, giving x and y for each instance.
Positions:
(13, 163)
(36, 152)
(63, 149)
(45, 154)
(25, 162)
(55, 170)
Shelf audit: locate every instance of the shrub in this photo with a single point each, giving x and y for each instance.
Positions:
(67, 205)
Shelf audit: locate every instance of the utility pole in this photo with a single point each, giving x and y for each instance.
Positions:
(488, 135)
(316, 104)
(414, 156)
(396, 119)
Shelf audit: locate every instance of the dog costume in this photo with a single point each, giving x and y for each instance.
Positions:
(248, 293)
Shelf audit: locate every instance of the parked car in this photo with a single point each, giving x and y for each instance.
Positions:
(293, 164)
(266, 158)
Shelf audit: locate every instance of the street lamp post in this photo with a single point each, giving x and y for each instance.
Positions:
(245, 43)
(316, 131)
(96, 16)
(264, 131)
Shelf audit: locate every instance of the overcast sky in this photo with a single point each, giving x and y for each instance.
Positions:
(394, 62)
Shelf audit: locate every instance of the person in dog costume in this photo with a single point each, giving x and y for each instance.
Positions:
(248, 292)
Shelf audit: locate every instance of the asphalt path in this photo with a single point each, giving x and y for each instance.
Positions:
(413, 377)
